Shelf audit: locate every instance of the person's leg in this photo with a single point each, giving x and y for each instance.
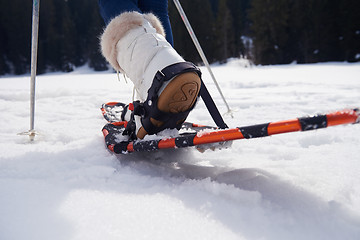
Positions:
(166, 85)
(109, 9)
(160, 9)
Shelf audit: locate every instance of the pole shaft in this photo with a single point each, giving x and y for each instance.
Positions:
(199, 49)
(34, 48)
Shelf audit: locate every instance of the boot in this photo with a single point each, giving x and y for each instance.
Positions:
(167, 87)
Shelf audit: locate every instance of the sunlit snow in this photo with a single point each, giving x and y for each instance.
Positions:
(66, 185)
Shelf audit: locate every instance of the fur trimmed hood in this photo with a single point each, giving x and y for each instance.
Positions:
(118, 27)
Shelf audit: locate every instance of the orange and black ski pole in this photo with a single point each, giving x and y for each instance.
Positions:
(348, 116)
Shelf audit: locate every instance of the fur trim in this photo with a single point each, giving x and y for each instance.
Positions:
(118, 27)
(114, 31)
(155, 22)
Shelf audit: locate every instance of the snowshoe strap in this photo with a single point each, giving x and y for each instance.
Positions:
(130, 128)
(149, 108)
(210, 105)
(123, 113)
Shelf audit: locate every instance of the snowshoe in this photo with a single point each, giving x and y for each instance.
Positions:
(206, 137)
(119, 139)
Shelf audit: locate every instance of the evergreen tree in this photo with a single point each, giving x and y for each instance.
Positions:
(67, 40)
(315, 30)
(96, 60)
(301, 31)
(270, 30)
(224, 33)
(202, 21)
(83, 17)
(238, 10)
(47, 52)
(349, 28)
(4, 65)
(282, 31)
(326, 30)
(16, 28)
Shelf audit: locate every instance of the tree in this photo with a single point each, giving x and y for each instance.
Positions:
(67, 39)
(15, 39)
(4, 65)
(269, 26)
(349, 29)
(201, 18)
(96, 60)
(240, 26)
(281, 32)
(224, 32)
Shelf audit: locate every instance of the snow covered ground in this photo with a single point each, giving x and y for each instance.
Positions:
(67, 186)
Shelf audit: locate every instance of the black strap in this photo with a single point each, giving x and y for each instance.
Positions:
(172, 70)
(149, 109)
(210, 105)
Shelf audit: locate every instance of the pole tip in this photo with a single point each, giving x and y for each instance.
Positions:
(30, 133)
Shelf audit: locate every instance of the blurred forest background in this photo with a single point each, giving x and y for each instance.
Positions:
(263, 31)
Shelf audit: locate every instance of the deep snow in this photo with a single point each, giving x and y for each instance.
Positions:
(66, 185)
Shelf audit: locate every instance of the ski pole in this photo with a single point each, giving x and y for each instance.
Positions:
(200, 51)
(34, 47)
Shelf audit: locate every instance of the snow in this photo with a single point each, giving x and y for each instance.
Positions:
(65, 185)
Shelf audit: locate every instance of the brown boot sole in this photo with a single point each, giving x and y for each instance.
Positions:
(178, 96)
